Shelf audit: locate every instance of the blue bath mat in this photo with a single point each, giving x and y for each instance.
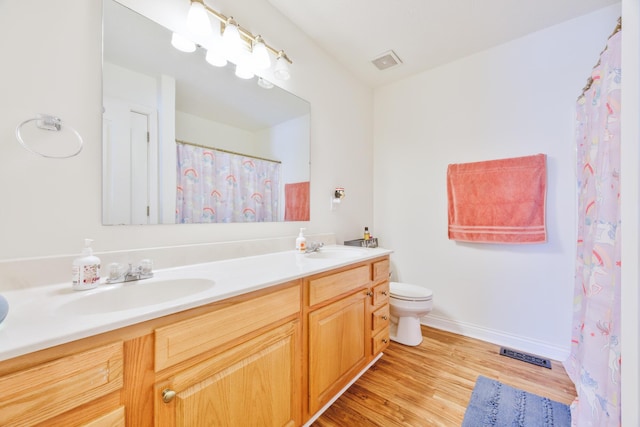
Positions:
(494, 404)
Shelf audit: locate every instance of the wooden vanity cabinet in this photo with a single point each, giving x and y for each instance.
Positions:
(272, 357)
(347, 324)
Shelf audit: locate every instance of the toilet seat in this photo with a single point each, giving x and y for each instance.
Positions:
(408, 292)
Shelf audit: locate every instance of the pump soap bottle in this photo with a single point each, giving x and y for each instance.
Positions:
(86, 269)
(301, 242)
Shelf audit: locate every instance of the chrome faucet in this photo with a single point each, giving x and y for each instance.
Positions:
(119, 273)
(313, 247)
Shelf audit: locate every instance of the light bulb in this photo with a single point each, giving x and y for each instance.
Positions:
(231, 39)
(182, 43)
(198, 20)
(264, 83)
(215, 58)
(281, 71)
(244, 70)
(259, 55)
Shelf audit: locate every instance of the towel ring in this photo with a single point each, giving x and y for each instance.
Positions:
(48, 122)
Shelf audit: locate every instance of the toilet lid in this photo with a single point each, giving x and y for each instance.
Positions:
(408, 292)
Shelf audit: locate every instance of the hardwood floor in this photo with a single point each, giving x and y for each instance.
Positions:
(430, 384)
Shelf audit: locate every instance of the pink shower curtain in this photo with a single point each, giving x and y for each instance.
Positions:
(218, 186)
(594, 362)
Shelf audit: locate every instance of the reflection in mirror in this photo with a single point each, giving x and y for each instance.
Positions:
(186, 142)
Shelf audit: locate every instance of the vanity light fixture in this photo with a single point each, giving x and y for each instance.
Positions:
(231, 39)
(264, 83)
(198, 20)
(244, 70)
(281, 71)
(215, 58)
(182, 43)
(259, 54)
(236, 43)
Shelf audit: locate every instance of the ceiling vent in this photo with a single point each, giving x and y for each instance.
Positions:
(386, 60)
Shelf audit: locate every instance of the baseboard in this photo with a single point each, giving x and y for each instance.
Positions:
(515, 342)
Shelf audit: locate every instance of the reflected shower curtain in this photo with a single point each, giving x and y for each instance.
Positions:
(594, 362)
(218, 186)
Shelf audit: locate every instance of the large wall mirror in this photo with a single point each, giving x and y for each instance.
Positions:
(187, 142)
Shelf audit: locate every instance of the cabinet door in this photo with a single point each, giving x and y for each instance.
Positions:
(336, 347)
(256, 383)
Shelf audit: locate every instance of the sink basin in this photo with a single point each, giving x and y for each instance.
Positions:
(336, 253)
(132, 295)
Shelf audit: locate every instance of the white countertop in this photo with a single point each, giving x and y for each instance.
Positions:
(46, 316)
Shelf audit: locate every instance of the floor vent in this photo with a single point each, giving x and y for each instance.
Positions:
(529, 358)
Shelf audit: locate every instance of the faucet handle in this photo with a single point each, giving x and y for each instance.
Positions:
(314, 246)
(146, 266)
(117, 272)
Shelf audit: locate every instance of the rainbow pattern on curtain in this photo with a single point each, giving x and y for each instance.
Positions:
(218, 186)
(594, 363)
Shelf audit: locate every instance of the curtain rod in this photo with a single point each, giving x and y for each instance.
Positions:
(226, 151)
(590, 79)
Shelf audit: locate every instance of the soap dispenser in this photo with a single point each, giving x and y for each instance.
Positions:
(86, 269)
(301, 242)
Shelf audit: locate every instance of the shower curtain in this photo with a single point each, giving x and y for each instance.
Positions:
(218, 186)
(594, 362)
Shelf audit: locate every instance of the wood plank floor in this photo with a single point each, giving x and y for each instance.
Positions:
(431, 384)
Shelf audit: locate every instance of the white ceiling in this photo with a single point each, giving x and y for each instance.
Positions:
(423, 33)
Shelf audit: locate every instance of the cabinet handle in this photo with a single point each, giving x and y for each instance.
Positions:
(384, 317)
(384, 293)
(369, 293)
(168, 395)
(384, 340)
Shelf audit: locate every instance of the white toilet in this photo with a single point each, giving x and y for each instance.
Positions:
(408, 303)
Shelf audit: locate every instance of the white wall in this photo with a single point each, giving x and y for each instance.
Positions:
(287, 142)
(201, 131)
(513, 100)
(49, 206)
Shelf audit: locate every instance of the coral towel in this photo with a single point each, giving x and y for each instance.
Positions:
(296, 201)
(498, 201)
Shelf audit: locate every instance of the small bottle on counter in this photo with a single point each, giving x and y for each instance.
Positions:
(367, 235)
(86, 269)
(301, 242)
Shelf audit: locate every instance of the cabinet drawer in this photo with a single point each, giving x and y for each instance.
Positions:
(381, 270)
(380, 318)
(380, 294)
(327, 287)
(380, 341)
(182, 340)
(37, 394)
